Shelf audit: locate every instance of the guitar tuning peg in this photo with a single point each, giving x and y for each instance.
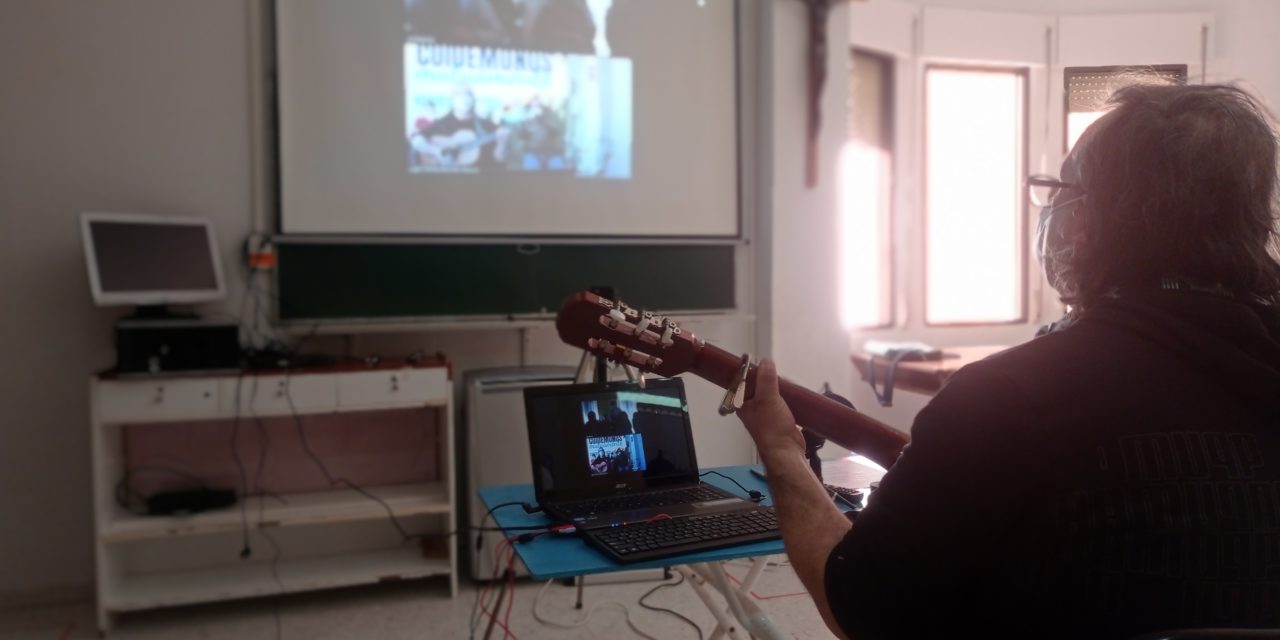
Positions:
(669, 329)
(646, 318)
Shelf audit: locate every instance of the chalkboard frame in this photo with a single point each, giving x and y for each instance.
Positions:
(380, 280)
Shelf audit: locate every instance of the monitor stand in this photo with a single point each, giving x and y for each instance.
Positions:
(153, 312)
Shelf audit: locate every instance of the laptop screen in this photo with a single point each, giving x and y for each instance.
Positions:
(595, 440)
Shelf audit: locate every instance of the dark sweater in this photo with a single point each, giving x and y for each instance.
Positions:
(1117, 476)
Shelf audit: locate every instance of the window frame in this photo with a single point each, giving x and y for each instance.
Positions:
(888, 132)
(1179, 72)
(1023, 199)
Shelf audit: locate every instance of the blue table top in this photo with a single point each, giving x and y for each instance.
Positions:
(560, 556)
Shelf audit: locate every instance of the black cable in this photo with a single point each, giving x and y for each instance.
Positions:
(265, 447)
(404, 534)
(756, 496)
(275, 568)
(666, 610)
(246, 549)
(306, 447)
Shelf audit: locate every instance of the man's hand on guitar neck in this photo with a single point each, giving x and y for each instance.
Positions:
(767, 417)
(811, 524)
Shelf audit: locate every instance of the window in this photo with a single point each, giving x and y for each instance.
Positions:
(1087, 90)
(975, 158)
(866, 165)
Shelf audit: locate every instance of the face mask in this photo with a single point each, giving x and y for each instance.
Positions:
(1051, 238)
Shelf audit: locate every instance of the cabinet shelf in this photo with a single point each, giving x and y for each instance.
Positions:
(388, 427)
(298, 509)
(175, 588)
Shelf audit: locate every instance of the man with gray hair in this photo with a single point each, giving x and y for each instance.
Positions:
(1119, 474)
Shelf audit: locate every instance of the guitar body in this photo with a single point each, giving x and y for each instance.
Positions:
(461, 148)
(655, 344)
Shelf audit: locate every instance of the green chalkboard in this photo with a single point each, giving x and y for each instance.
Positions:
(328, 280)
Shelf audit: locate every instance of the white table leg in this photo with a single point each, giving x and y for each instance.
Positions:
(758, 564)
(725, 625)
(750, 616)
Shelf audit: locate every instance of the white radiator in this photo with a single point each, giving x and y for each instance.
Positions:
(495, 446)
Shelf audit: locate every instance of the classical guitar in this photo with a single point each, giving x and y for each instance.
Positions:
(655, 344)
(460, 149)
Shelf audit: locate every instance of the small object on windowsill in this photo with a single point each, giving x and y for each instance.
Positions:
(894, 352)
(907, 350)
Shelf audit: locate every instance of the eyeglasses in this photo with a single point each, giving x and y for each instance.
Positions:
(1045, 189)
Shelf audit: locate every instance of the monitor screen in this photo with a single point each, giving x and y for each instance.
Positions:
(600, 437)
(151, 259)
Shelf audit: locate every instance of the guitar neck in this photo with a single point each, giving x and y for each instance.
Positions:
(837, 423)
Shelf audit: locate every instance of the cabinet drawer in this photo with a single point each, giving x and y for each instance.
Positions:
(150, 401)
(393, 388)
(274, 394)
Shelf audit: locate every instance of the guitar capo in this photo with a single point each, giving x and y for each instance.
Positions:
(736, 390)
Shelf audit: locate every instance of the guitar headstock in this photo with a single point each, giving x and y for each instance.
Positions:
(642, 339)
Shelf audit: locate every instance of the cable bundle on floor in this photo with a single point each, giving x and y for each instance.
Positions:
(537, 614)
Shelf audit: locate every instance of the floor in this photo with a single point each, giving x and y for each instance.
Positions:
(422, 610)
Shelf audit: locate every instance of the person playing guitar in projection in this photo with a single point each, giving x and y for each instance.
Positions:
(461, 138)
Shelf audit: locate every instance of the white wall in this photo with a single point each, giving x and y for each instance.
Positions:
(807, 340)
(143, 105)
(123, 106)
(1246, 45)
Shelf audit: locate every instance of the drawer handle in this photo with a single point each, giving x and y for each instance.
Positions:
(159, 395)
(395, 384)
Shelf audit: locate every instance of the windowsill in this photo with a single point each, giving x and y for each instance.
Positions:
(928, 376)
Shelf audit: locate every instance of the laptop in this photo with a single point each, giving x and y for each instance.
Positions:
(610, 456)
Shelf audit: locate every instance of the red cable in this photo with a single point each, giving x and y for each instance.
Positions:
(660, 516)
(484, 594)
(497, 566)
(511, 587)
(509, 559)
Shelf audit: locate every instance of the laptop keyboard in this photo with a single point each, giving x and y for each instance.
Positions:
(675, 536)
(647, 500)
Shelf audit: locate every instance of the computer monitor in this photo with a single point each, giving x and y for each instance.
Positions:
(151, 260)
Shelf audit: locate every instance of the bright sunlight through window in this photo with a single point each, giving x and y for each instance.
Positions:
(865, 170)
(1079, 121)
(973, 199)
(864, 277)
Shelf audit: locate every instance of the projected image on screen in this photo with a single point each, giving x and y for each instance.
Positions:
(615, 454)
(530, 88)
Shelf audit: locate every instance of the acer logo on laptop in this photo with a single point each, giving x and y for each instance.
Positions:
(620, 486)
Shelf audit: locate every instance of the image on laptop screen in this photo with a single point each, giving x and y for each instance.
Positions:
(612, 435)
